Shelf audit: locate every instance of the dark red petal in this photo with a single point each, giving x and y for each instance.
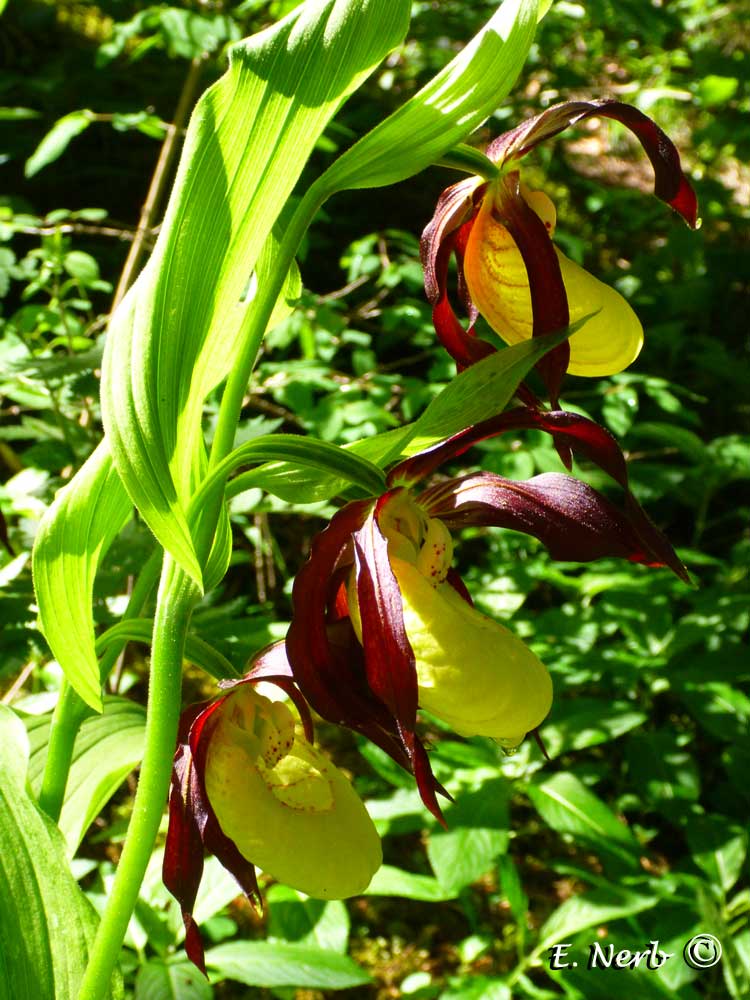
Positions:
(670, 185)
(326, 658)
(427, 785)
(549, 300)
(389, 659)
(183, 851)
(193, 826)
(569, 430)
(454, 579)
(329, 683)
(460, 240)
(242, 870)
(462, 345)
(574, 521)
(454, 207)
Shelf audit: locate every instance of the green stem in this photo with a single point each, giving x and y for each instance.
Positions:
(177, 598)
(71, 710)
(66, 721)
(234, 393)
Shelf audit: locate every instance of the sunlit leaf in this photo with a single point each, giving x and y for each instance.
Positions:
(181, 328)
(271, 964)
(447, 109)
(106, 750)
(57, 140)
(565, 803)
(590, 910)
(175, 980)
(476, 394)
(46, 923)
(74, 535)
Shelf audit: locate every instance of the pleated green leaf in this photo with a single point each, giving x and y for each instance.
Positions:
(46, 923)
(107, 748)
(447, 109)
(73, 536)
(177, 332)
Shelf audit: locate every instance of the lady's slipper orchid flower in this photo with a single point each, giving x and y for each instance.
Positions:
(249, 785)
(382, 624)
(510, 271)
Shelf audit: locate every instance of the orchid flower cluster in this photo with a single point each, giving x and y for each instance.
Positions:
(383, 624)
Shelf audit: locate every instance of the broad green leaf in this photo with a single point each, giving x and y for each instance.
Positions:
(315, 923)
(718, 848)
(179, 980)
(390, 881)
(73, 536)
(591, 910)
(447, 109)
(182, 326)
(569, 807)
(107, 748)
(477, 834)
(46, 923)
(478, 393)
(664, 770)
(587, 722)
(262, 963)
(720, 708)
(56, 141)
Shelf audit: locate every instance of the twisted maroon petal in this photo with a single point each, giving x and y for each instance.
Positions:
(183, 851)
(549, 300)
(463, 346)
(332, 683)
(455, 206)
(670, 183)
(569, 431)
(574, 521)
(389, 659)
(446, 233)
(329, 664)
(193, 827)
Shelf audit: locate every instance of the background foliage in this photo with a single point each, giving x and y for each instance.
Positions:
(637, 828)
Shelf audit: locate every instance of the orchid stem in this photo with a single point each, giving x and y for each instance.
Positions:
(177, 598)
(71, 709)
